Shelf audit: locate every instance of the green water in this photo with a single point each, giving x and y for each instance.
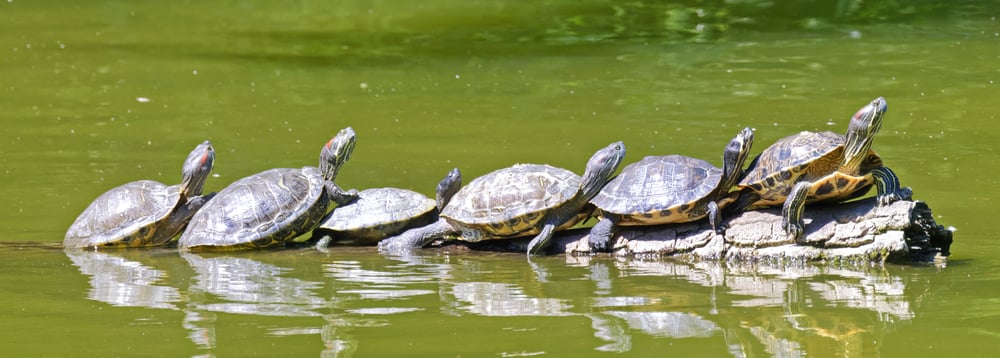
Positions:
(96, 94)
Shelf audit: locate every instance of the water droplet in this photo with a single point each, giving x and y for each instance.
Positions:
(363, 85)
(194, 72)
(458, 76)
(142, 99)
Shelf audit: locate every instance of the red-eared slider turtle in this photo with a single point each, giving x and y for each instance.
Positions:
(669, 189)
(382, 212)
(145, 212)
(272, 207)
(518, 201)
(825, 166)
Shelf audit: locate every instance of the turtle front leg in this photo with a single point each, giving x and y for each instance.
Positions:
(791, 212)
(600, 234)
(541, 241)
(340, 196)
(715, 218)
(178, 220)
(887, 185)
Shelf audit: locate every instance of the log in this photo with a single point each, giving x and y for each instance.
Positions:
(858, 232)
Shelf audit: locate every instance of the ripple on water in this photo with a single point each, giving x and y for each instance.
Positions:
(501, 299)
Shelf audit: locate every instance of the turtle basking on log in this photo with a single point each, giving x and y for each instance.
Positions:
(382, 212)
(144, 212)
(274, 206)
(669, 189)
(820, 166)
(522, 200)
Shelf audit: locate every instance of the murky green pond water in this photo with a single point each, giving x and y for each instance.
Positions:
(96, 94)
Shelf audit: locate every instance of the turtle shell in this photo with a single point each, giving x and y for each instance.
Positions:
(812, 156)
(511, 202)
(125, 216)
(659, 190)
(378, 213)
(261, 210)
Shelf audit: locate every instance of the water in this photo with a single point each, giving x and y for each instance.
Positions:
(98, 94)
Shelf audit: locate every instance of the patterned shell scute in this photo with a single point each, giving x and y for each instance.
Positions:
(255, 207)
(792, 152)
(379, 207)
(125, 213)
(657, 183)
(512, 201)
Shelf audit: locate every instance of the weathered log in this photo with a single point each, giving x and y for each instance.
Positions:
(858, 231)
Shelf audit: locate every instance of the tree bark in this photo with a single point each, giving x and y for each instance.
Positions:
(858, 231)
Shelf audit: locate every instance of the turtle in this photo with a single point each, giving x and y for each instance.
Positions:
(669, 189)
(382, 212)
(144, 212)
(820, 166)
(517, 201)
(274, 206)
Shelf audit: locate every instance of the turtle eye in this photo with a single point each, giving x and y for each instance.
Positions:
(874, 159)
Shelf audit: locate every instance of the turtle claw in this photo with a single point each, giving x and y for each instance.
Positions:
(600, 235)
(351, 196)
(323, 244)
(899, 195)
(597, 244)
(395, 247)
(793, 232)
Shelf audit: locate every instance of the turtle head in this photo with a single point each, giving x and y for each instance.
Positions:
(448, 187)
(197, 166)
(336, 152)
(601, 168)
(861, 132)
(735, 155)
